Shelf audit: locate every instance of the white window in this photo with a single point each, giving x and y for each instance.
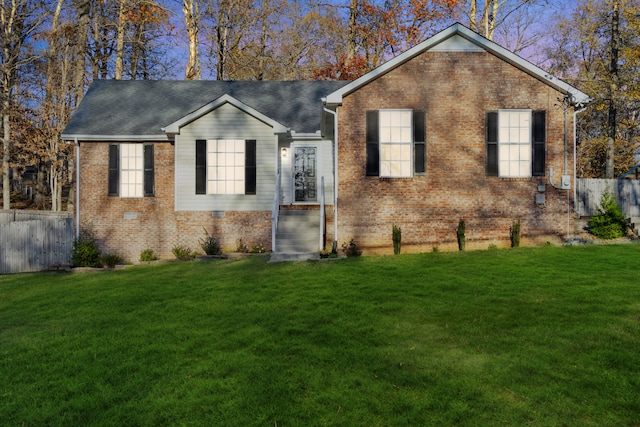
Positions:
(396, 137)
(225, 166)
(131, 170)
(514, 138)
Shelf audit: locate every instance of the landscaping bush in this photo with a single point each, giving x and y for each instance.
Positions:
(241, 246)
(258, 248)
(111, 260)
(86, 252)
(210, 244)
(148, 255)
(396, 236)
(351, 249)
(609, 222)
(514, 234)
(182, 252)
(460, 233)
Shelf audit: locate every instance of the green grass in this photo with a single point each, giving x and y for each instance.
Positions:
(546, 336)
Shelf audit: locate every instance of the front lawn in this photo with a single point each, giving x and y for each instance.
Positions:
(544, 336)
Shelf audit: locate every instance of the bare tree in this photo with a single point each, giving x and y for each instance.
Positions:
(19, 20)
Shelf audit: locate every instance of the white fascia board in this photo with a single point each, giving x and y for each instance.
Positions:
(127, 138)
(579, 97)
(306, 136)
(174, 128)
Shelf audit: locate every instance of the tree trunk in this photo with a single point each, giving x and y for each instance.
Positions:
(6, 139)
(82, 8)
(351, 38)
(613, 87)
(190, 11)
(120, 41)
(222, 41)
(473, 6)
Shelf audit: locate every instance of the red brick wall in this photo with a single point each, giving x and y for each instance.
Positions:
(456, 89)
(157, 226)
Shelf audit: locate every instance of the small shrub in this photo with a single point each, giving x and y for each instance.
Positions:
(148, 255)
(514, 234)
(85, 249)
(241, 246)
(460, 233)
(351, 249)
(111, 260)
(258, 248)
(182, 252)
(210, 244)
(435, 249)
(609, 222)
(396, 235)
(493, 247)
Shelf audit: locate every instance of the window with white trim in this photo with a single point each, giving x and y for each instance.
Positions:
(514, 138)
(131, 170)
(516, 143)
(225, 166)
(396, 143)
(396, 137)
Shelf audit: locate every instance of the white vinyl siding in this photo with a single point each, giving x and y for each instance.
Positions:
(225, 123)
(514, 138)
(131, 170)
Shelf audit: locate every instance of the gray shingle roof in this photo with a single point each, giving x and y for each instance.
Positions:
(143, 107)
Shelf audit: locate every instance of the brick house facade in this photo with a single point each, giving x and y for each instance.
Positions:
(455, 128)
(455, 186)
(127, 226)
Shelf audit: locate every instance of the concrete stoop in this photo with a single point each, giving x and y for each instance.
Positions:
(284, 257)
(298, 232)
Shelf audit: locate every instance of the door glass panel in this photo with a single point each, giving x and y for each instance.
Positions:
(304, 173)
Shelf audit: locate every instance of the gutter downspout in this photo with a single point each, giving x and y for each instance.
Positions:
(580, 109)
(77, 144)
(334, 248)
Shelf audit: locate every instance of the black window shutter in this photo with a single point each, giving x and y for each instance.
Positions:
(539, 140)
(492, 144)
(373, 153)
(250, 166)
(148, 170)
(201, 166)
(419, 142)
(114, 169)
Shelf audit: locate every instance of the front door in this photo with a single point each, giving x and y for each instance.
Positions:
(305, 174)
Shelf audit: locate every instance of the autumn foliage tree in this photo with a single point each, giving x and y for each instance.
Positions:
(378, 31)
(597, 50)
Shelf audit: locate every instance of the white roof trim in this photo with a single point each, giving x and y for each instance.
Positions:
(578, 97)
(174, 128)
(126, 138)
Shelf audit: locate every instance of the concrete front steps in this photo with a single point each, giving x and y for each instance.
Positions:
(297, 236)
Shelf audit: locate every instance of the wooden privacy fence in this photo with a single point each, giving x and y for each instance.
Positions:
(34, 240)
(626, 192)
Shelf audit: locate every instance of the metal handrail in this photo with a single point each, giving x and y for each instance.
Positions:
(275, 213)
(322, 214)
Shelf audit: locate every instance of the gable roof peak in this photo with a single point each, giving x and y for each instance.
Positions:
(468, 41)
